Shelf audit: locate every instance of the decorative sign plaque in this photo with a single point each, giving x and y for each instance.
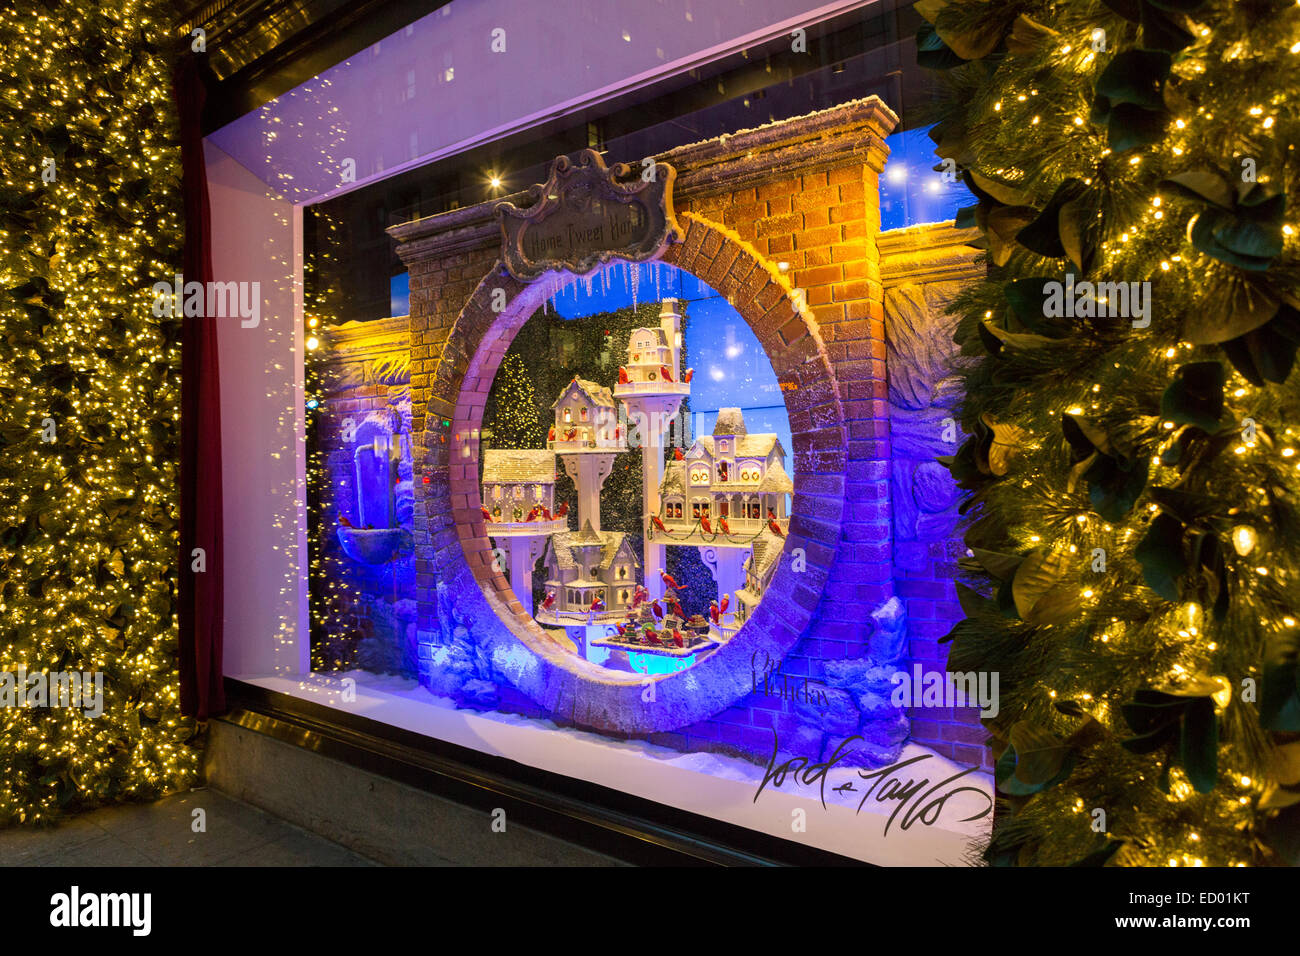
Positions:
(582, 217)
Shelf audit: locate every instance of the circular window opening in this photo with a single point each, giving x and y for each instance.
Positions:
(627, 394)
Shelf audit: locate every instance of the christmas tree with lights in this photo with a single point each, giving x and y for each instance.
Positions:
(512, 407)
(1132, 416)
(89, 409)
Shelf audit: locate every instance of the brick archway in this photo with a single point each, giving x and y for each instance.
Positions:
(563, 683)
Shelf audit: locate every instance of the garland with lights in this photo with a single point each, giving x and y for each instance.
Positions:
(89, 406)
(1130, 473)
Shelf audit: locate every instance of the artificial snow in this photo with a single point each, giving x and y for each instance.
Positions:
(713, 785)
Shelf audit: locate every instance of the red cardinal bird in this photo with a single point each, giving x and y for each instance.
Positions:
(487, 515)
(722, 522)
(655, 520)
(775, 528)
(667, 375)
(344, 522)
(713, 611)
(677, 638)
(669, 581)
(571, 434)
(726, 601)
(690, 372)
(563, 510)
(550, 435)
(658, 611)
(550, 599)
(597, 604)
(546, 513)
(622, 375)
(674, 606)
(706, 524)
(652, 638)
(639, 596)
(621, 628)
(534, 514)
(677, 454)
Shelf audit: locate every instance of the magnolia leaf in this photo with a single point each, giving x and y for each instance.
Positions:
(1195, 397)
(1114, 485)
(1028, 35)
(1039, 573)
(1001, 566)
(1004, 223)
(1076, 221)
(1130, 126)
(932, 53)
(971, 601)
(971, 38)
(1003, 192)
(1005, 442)
(1136, 77)
(1085, 435)
(1199, 744)
(1016, 340)
(1040, 754)
(1111, 847)
(1043, 235)
(1160, 553)
(1279, 698)
(1201, 184)
(1229, 309)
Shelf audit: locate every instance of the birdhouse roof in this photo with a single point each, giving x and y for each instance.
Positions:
(596, 394)
(516, 465)
(730, 422)
(674, 480)
(610, 542)
(657, 333)
(775, 481)
(767, 548)
(746, 446)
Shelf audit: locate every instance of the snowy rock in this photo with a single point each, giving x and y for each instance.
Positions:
(839, 716)
(890, 732)
(876, 706)
(889, 639)
(479, 693)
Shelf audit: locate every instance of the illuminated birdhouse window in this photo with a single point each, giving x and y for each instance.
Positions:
(582, 413)
(723, 445)
(568, 415)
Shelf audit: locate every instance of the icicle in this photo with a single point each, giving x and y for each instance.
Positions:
(659, 296)
(636, 276)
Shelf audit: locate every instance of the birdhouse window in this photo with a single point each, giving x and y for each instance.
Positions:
(754, 510)
(622, 571)
(568, 415)
(623, 596)
(724, 509)
(582, 413)
(700, 476)
(722, 445)
(724, 470)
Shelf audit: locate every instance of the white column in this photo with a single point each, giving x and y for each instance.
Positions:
(727, 565)
(523, 553)
(588, 471)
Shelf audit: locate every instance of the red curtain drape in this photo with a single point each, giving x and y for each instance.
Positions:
(202, 694)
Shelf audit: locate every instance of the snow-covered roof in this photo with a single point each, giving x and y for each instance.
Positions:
(767, 548)
(730, 422)
(610, 542)
(746, 446)
(598, 394)
(776, 481)
(516, 465)
(674, 480)
(657, 333)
